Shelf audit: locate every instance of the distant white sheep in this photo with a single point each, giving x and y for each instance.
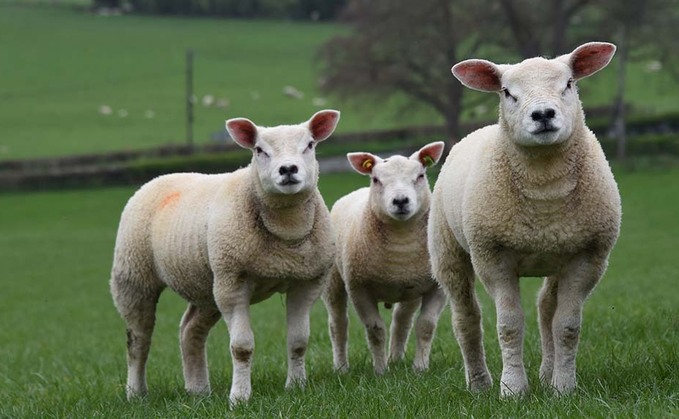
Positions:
(382, 256)
(224, 242)
(530, 196)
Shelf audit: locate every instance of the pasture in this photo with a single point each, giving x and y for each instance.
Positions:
(60, 65)
(63, 344)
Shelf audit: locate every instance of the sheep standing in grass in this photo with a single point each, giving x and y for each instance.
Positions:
(224, 242)
(530, 196)
(382, 256)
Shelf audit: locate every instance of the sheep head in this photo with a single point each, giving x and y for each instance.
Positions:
(539, 103)
(285, 156)
(399, 188)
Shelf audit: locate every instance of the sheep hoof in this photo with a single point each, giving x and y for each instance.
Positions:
(480, 383)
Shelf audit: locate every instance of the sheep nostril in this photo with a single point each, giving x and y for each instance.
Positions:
(542, 116)
(400, 202)
(288, 170)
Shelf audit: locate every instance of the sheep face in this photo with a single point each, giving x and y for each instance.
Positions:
(399, 188)
(539, 103)
(284, 157)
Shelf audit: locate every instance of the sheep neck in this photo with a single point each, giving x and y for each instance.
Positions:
(287, 217)
(546, 174)
(391, 231)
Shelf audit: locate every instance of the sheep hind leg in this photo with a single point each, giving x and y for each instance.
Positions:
(336, 302)
(137, 306)
(401, 323)
(453, 269)
(299, 301)
(425, 328)
(193, 332)
(546, 310)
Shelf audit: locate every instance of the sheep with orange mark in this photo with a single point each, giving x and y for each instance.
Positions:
(382, 257)
(224, 242)
(530, 196)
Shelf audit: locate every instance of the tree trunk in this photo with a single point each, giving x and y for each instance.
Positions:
(618, 122)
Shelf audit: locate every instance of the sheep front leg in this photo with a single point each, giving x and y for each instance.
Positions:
(575, 284)
(298, 305)
(233, 299)
(375, 330)
(335, 299)
(510, 324)
(401, 323)
(433, 303)
(193, 332)
(546, 309)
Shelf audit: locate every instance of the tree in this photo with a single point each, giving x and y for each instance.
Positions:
(406, 47)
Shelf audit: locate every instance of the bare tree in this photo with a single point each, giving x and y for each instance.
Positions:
(406, 47)
(541, 27)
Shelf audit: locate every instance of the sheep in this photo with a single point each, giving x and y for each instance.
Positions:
(530, 196)
(382, 256)
(224, 242)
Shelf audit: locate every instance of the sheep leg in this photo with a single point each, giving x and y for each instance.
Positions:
(335, 299)
(299, 301)
(510, 324)
(453, 269)
(575, 283)
(193, 331)
(401, 323)
(137, 306)
(375, 330)
(546, 310)
(433, 303)
(233, 299)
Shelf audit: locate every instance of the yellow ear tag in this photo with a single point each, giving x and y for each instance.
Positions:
(427, 161)
(367, 164)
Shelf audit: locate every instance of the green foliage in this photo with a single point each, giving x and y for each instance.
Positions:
(64, 344)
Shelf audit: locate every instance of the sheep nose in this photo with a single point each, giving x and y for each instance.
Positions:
(400, 202)
(288, 170)
(543, 116)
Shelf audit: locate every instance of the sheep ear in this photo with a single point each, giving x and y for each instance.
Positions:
(589, 58)
(323, 123)
(363, 163)
(430, 154)
(479, 75)
(242, 131)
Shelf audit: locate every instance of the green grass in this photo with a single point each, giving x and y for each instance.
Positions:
(60, 64)
(63, 344)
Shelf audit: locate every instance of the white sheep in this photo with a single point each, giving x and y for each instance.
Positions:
(530, 196)
(382, 256)
(224, 242)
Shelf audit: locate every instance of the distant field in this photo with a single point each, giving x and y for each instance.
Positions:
(63, 344)
(59, 65)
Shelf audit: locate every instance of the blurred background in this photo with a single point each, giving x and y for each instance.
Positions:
(118, 91)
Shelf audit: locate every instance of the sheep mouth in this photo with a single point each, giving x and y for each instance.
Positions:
(289, 181)
(545, 129)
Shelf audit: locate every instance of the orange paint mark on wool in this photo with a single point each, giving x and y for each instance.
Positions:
(173, 197)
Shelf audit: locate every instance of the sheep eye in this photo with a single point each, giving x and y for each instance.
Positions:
(375, 180)
(310, 146)
(507, 94)
(260, 152)
(420, 177)
(569, 84)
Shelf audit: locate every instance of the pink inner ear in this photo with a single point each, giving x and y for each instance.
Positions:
(430, 154)
(243, 132)
(362, 162)
(478, 74)
(323, 124)
(590, 58)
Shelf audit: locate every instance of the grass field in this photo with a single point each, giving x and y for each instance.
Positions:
(63, 344)
(59, 65)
